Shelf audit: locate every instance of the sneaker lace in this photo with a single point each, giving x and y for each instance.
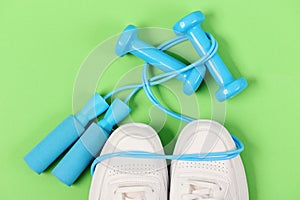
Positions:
(199, 190)
(139, 197)
(134, 193)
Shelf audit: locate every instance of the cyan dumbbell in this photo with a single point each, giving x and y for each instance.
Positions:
(65, 134)
(130, 43)
(190, 26)
(89, 144)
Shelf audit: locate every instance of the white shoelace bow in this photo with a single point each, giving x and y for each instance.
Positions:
(200, 190)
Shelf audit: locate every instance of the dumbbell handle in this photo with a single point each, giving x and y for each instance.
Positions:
(215, 65)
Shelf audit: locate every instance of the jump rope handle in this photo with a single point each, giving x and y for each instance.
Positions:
(64, 135)
(89, 144)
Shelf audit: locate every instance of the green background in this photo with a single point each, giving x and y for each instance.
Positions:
(43, 43)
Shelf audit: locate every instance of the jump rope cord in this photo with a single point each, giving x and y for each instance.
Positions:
(156, 80)
(214, 156)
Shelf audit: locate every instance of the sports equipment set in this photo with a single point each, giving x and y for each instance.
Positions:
(130, 163)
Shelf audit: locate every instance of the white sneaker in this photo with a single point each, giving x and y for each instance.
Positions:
(209, 180)
(121, 178)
